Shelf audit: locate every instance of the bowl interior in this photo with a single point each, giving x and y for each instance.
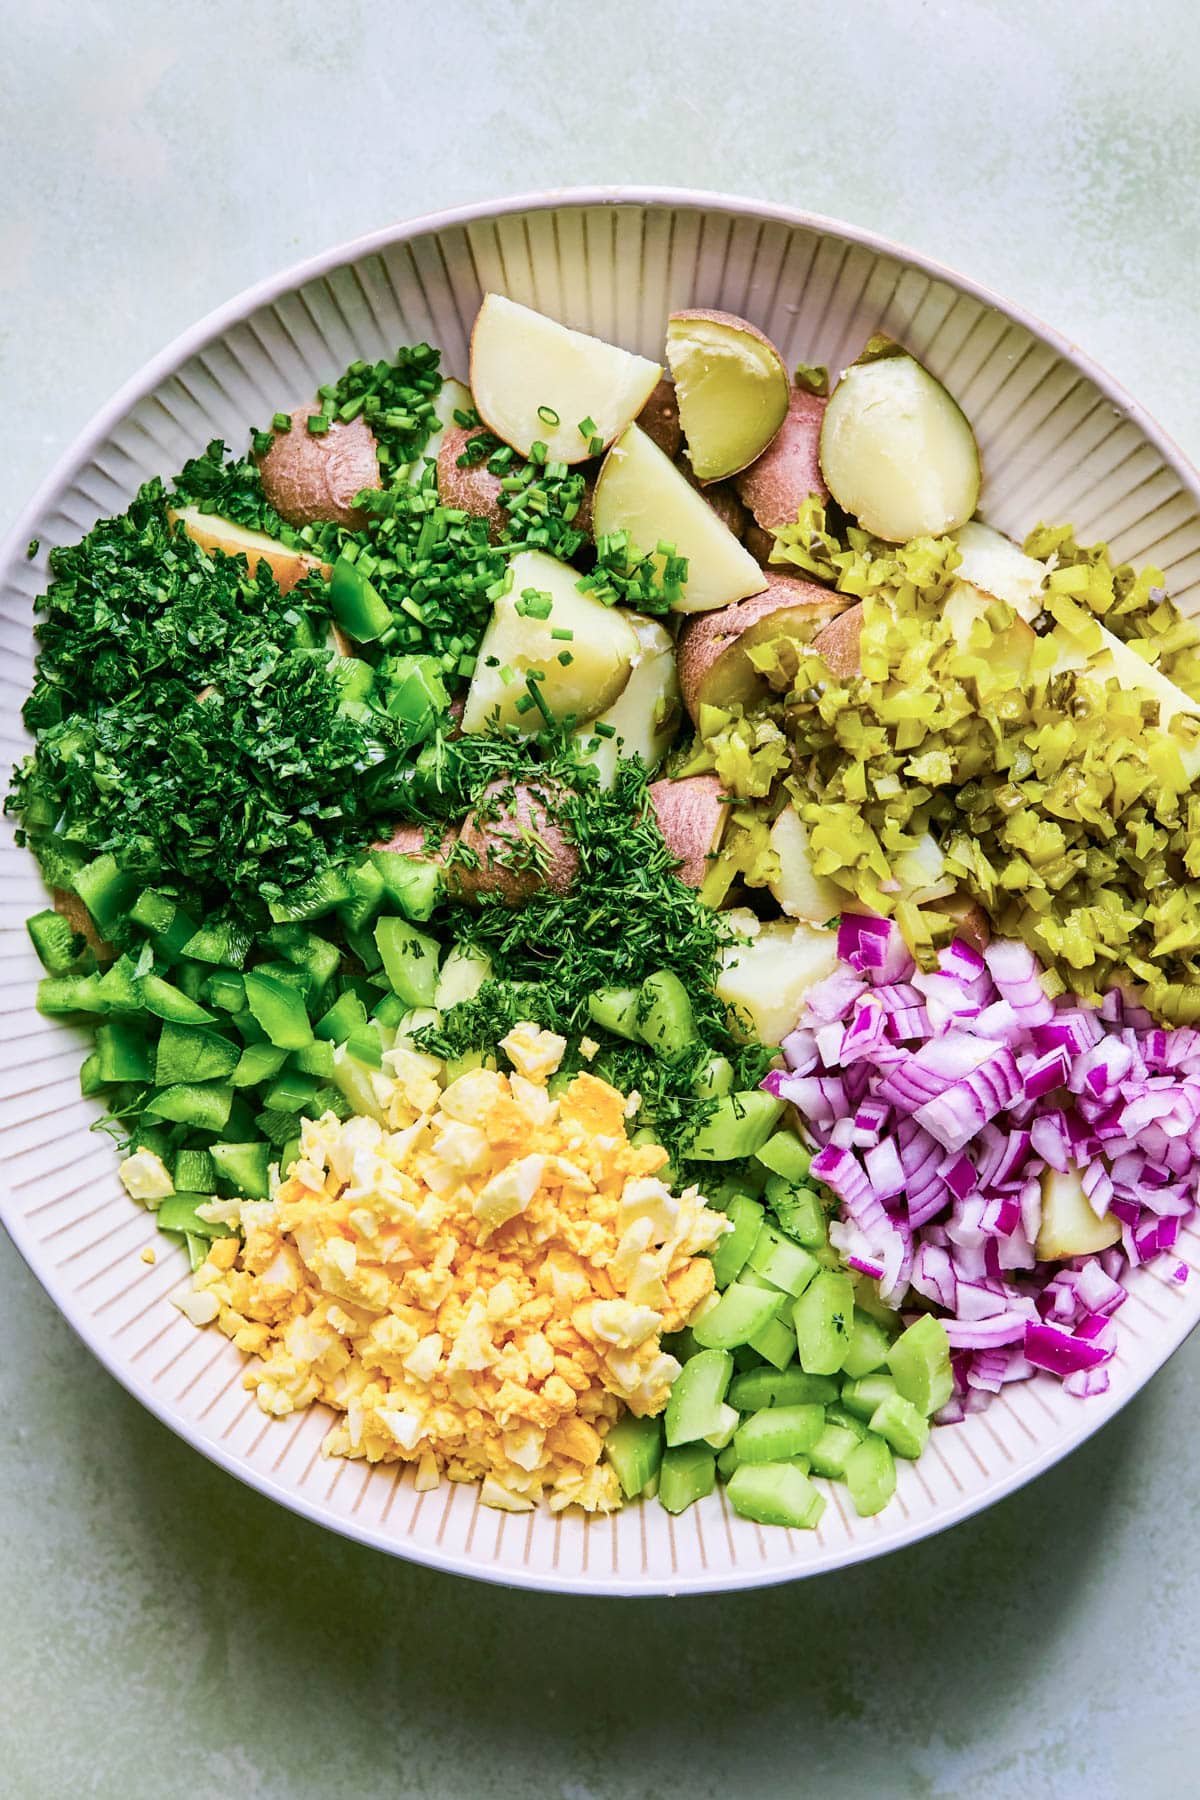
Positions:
(1058, 443)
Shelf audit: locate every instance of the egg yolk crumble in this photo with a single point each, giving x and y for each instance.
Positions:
(478, 1282)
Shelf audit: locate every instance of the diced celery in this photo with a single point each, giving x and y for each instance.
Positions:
(780, 1261)
(688, 1472)
(775, 1494)
(906, 1429)
(727, 1461)
(197, 1249)
(828, 1456)
(366, 899)
(714, 1081)
(739, 1315)
(870, 1476)
(723, 1436)
(785, 1155)
(634, 1447)
(463, 972)
(191, 1053)
(410, 959)
(665, 1014)
(799, 1212)
(758, 1388)
(869, 1346)
(243, 1167)
(775, 1343)
(411, 883)
(353, 1081)
(823, 1317)
(737, 1125)
(731, 1252)
(920, 1364)
(616, 1010)
(866, 1392)
(698, 1393)
(279, 1009)
(206, 1107)
(779, 1432)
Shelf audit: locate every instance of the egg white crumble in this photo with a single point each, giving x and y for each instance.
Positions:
(479, 1281)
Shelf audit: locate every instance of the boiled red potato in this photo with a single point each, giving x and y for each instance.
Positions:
(995, 565)
(837, 644)
(534, 380)
(691, 815)
(714, 663)
(519, 648)
(453, 397)
(645, 715)
(1111, 659)
(968, 919)
(720, 495)
(311, 478)
(896, 450)
(416, 841)
(212, 533)
(640, 491)
(477, 491)
(517, 847)
(778, 483)
(764, 981)
(659, 419)
(732, 389)
(798, 890)
(1069, 1227)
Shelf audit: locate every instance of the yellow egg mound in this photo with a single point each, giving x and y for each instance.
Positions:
(479, 1284)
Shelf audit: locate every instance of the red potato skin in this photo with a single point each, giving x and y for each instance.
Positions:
(477, 491)
(659, 419)
(522, 810)
(838, 644)
(721, 496)
(313, 480)
(789, 469)
(691, 816)
(410, 840)
(707, 636)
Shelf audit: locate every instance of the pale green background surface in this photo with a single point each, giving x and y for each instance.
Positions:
(166, 1632)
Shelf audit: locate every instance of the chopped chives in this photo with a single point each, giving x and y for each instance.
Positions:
(604, 730)
(548, 416)
(595, 446)
(317, 424)
(526, 702)
(562, 633)
(282, 421)
(587, 427)
(565, 658)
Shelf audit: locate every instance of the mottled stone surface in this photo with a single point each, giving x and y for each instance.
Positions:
(168, 1633)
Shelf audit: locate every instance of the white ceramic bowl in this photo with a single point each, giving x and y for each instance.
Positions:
(1060, 442)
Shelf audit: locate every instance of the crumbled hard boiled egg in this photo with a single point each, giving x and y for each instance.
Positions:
(479, 1284)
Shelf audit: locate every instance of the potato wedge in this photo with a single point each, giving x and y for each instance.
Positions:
(691, 815)
(968, 918)
(798, 890)
(473, 488)
(995, 566)
(212, 533)
(659, 419)
(776, 484)
(764, 982)
(714, 667)
(1069, 1227)
(646, 715)
(535, 380)
(521, 849)
(310, 479)
(896, 451)
(641, 492)
(732, 389)
(517, 643)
